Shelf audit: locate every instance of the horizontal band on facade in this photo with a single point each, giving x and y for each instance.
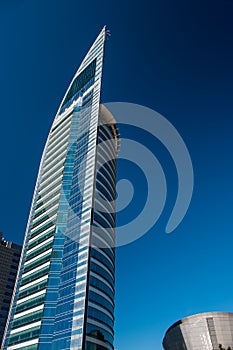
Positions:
(33, 282)
(28, 262)
(40, 245)
(27, 327)
(31, 296)
(99, 342)
(27, 312)
(24, 344)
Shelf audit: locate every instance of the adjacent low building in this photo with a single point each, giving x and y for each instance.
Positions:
(206, 331)
(9, 260)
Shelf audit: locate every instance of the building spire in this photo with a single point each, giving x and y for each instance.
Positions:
(84, 72)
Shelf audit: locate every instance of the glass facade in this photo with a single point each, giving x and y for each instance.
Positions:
(64, 295)
(207, 331)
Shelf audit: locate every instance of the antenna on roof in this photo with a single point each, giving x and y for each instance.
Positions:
(108, 34)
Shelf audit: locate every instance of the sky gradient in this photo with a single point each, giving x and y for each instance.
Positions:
(174, 57)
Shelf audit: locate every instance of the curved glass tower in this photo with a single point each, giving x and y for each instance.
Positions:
(64, 294)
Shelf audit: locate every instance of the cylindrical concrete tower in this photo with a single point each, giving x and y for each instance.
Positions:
(206, 331)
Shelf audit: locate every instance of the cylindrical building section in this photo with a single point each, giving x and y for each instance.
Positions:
(206, 331)
(101, 286)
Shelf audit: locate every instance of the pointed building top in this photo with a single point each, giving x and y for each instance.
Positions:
(87, 74)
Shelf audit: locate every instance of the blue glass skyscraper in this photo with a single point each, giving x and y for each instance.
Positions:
(64, 294)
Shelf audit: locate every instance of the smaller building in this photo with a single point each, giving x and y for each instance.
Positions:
(206, 331)
(9, 260)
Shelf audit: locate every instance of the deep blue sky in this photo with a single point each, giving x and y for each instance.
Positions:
(172, 56)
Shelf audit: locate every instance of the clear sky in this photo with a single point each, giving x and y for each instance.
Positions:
(174, 57)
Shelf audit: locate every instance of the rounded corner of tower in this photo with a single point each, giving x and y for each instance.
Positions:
(106, 117)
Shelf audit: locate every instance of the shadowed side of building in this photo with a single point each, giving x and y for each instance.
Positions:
(9, 260)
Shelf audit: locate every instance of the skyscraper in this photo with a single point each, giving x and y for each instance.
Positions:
(64, 296)
(9, 260)
(206, 331)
